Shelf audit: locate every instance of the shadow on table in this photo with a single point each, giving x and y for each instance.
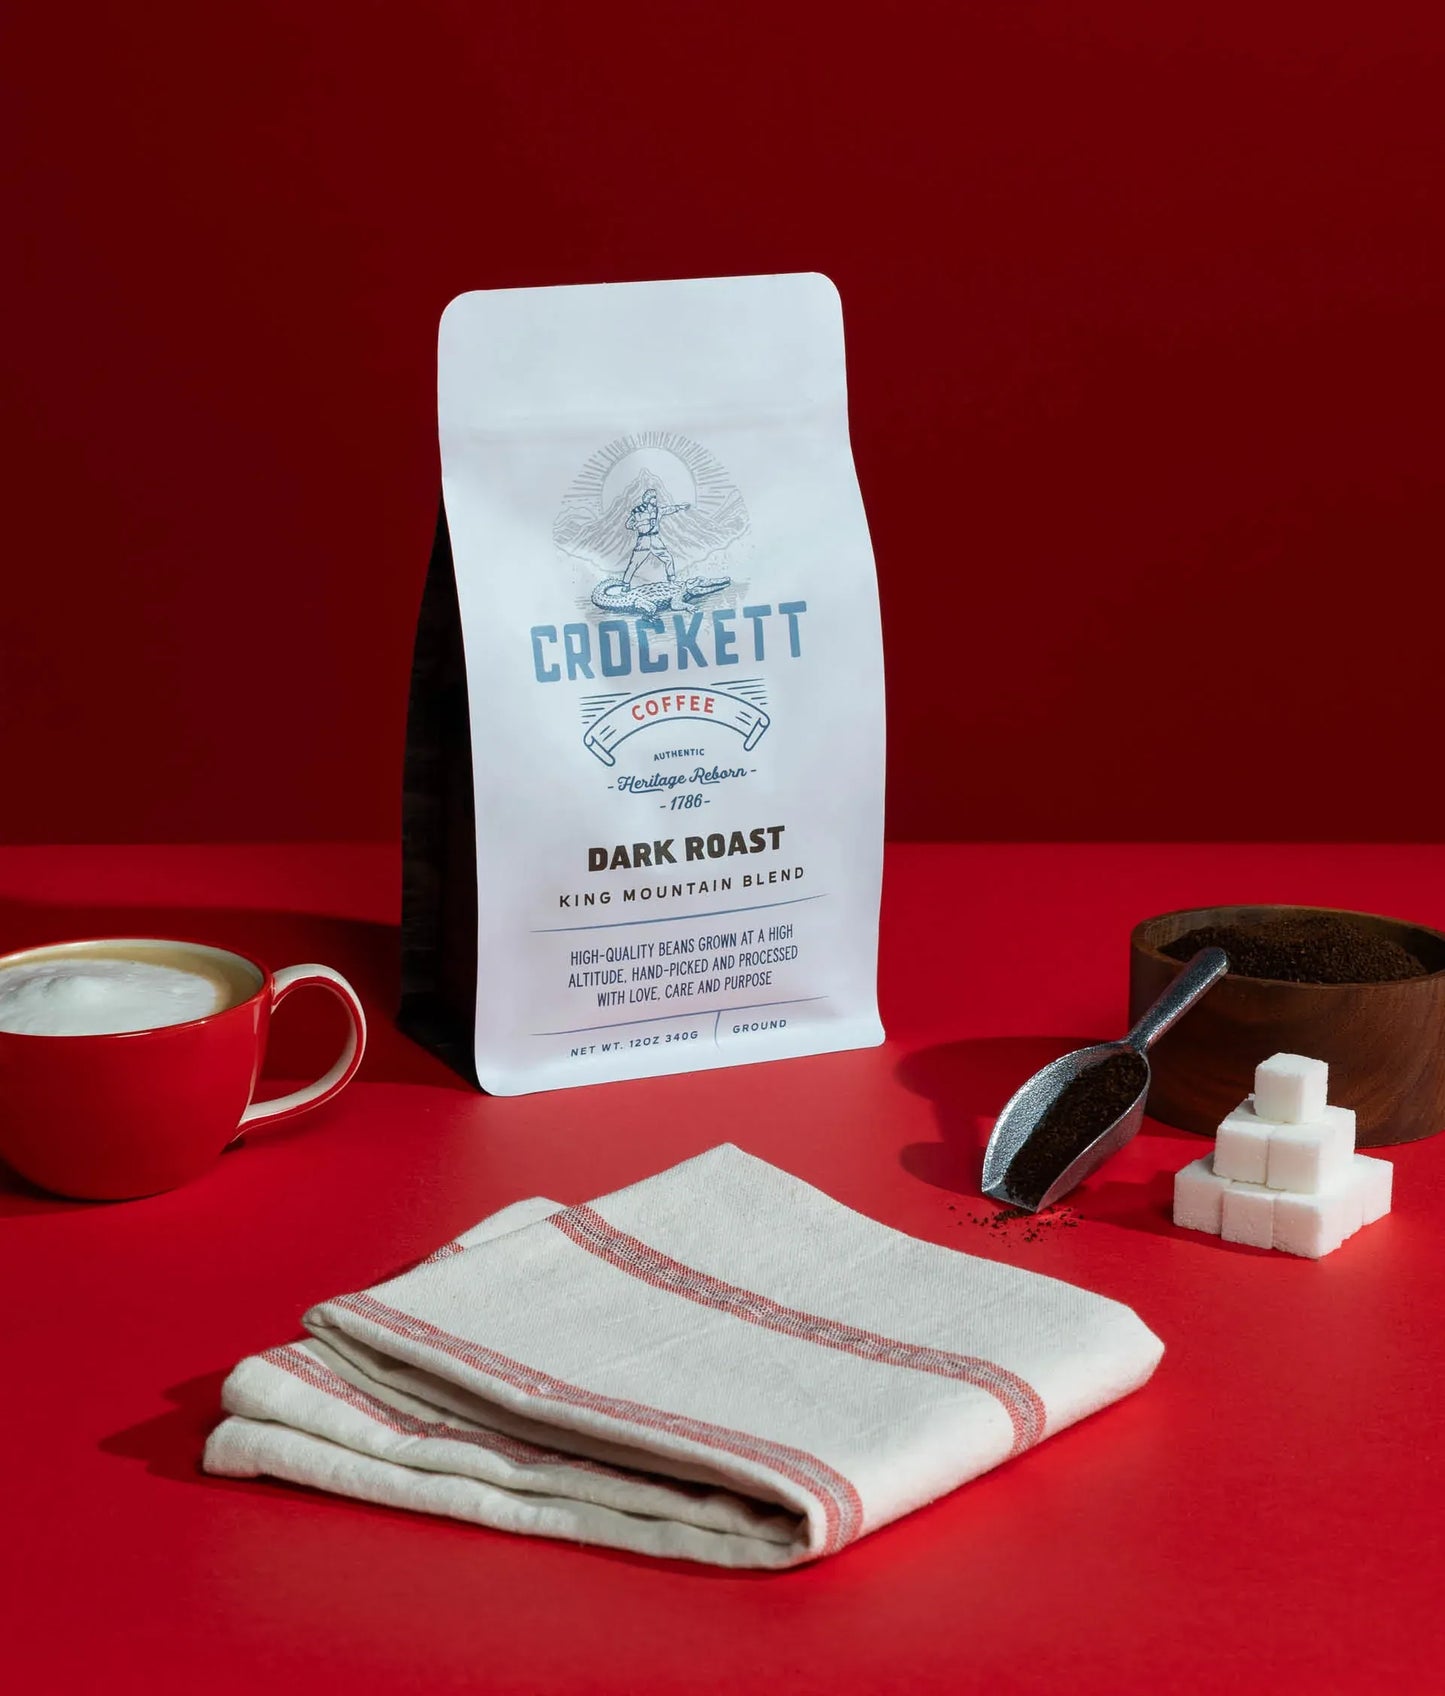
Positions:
(307, 1032)
(1147, 1206)
(18, 1197)
(969, 1083)
(170, 1444)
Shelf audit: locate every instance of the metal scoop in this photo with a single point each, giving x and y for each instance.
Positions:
(1028, 1105)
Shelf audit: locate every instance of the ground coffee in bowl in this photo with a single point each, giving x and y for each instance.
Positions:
(1361, 991)
(1304, 947)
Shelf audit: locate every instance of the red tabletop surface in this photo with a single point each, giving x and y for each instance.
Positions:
(1264, 1515)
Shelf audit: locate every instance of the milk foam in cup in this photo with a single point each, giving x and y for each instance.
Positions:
(99, 997)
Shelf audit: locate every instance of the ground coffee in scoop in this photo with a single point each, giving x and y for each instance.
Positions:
(1084, 1110)
(1303, 948)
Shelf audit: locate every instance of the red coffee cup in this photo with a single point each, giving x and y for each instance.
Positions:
(131, 1113)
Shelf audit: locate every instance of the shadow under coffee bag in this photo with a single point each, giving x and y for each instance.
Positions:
(644, 791)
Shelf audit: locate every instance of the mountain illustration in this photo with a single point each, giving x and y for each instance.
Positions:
(696, 538)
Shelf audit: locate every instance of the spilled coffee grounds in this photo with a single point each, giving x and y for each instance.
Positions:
(1303, 948)
(1020, 1223)
(1087, 1107)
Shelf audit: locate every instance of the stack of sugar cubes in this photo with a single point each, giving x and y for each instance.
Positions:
(1284, 1173)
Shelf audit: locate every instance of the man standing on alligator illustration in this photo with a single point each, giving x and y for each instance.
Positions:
(644, 521)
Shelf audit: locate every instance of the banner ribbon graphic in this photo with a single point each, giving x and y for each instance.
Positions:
(665, 706)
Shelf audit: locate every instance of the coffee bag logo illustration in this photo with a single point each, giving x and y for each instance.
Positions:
(656, 522)
(654, 518)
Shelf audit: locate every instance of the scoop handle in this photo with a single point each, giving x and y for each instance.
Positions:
(1205, 969)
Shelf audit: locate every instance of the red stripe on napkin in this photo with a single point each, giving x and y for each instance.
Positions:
(1023, 1404)
(310, 1371)
(840, 1502)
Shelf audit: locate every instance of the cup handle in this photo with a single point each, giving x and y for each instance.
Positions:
(332, 1082)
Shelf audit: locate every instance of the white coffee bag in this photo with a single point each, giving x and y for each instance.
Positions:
(673, 683)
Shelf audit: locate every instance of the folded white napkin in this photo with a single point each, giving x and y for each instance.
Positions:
(720, 1363)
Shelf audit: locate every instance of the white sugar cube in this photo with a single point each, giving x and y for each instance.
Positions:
(1199, 1195)
(1247, 1215)
(1376, 1180)
(1241, 1147)
(1316, 1225)
(1312, 1157)
(1295, 1221)
(1291, 1089)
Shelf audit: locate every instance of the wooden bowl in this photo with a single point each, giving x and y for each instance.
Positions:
(1384, 1042)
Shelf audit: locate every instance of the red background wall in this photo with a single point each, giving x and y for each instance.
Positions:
(1144, 308)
